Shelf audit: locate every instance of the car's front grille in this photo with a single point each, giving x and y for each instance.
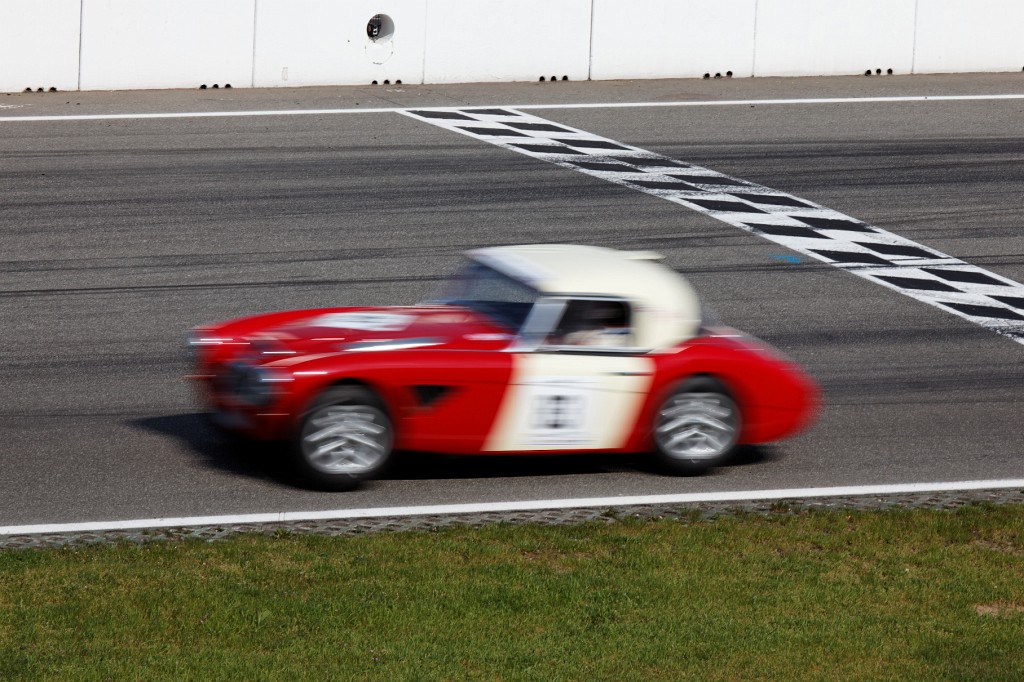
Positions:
(237, 377)
(242, 381)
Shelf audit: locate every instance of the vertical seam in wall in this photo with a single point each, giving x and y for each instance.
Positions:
(590, 55)
(81, 23)
(423, 62)
(753, 57)
(255, 14)
(913, 42)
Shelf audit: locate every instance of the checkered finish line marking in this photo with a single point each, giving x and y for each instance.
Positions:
(872, 253)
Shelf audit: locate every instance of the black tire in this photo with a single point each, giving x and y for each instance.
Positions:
(695, 427)
(354, 421)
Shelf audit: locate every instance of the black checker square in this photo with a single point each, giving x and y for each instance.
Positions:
(540, 127)
(608, 167)
(965, 276)
(491, 112)
(547, 149)
(591, 144)
(899, 250)
(984, 311)
(834, 224)
(710, 180)
(786, 231)
(852, 257)
(916, 284)
(492, 132)
(659, 184)
(771, 199)
(1015, 301)
(451, 115)
(725, 206)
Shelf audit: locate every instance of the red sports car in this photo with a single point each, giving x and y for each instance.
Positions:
(532, 349)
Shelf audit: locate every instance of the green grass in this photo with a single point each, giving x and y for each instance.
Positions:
(896, 595)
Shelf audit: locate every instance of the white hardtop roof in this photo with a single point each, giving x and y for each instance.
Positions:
(666, 309)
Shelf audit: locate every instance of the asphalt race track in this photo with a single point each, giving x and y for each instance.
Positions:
(118, 234)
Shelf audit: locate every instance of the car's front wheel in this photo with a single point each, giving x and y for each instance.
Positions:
(343, 438)
(696, 427)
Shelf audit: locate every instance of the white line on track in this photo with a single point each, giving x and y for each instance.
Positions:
(201, 114)
(587, 105)
(514, 506)
(747, 102)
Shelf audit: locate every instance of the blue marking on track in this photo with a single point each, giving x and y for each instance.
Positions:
(786, 257)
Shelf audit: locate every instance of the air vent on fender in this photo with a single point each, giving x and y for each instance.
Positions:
(428, 394)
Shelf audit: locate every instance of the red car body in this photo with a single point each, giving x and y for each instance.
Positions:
(446, 374)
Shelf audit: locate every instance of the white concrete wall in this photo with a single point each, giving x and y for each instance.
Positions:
(801, 38)
(961, 36)
(39, 44)
(166, 43)
(506, 40)
(672, 38)
(123, 44)
(324, 42)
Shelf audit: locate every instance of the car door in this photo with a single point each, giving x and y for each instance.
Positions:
(570, 389)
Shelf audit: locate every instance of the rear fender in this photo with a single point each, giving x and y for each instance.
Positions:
(774, 396)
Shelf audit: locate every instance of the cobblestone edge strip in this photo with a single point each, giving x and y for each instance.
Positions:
(684, 512)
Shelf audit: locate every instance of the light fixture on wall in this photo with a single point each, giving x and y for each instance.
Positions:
(380, 32)
(380, 27)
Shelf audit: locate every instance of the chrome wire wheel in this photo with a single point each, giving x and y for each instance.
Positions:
(699, 423)
(346, 439)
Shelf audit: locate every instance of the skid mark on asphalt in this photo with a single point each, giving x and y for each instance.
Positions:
(869, 252)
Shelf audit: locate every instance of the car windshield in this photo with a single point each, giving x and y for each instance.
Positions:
(490, 293)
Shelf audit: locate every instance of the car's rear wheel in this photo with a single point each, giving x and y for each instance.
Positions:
(343, 438)
(696, 427)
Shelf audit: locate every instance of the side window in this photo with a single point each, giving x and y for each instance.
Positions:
(593, 323)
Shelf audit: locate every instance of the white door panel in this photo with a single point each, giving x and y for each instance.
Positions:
(569, 401)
